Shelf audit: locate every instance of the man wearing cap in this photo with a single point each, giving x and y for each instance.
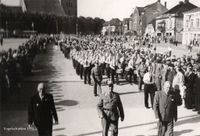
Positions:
(97, 77)
(142, 69)
(110, 109)
(41, 111)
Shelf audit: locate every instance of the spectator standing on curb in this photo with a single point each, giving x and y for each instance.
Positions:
(165, 109)
(41, 111)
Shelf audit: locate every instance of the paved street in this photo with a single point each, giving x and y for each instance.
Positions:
(76, 105)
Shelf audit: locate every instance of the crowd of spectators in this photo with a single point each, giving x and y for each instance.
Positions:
(16, 64)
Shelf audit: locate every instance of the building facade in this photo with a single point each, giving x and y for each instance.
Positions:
(142, 16)
(112, 27)
(169, 26)
(191, 27)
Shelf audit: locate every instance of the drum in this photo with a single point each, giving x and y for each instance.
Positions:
(119, 71)
(127, 69)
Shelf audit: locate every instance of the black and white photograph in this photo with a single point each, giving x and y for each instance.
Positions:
(99, 68)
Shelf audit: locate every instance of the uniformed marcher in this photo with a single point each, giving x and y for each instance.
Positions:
(142, 69)
(110, 108)
(97, 77)
(41, 111)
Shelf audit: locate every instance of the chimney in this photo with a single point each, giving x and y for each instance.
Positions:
(159, 1)
(186, 1)
(165, 4)
(181, 2)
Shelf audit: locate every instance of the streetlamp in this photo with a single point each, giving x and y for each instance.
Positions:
(32, 25)
(56, 26)
(77, 29)
(7, 29)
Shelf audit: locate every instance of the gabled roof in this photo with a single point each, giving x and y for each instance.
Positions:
(44, 6)
(180, 8)
(114, 22)
(193, 10)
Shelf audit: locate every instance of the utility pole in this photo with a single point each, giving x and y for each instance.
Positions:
(7, 29)
(32, 25)
(77, 29)
(56, 26)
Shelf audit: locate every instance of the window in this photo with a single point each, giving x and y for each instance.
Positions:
(192, 23)
(198, 23)
(187, 23)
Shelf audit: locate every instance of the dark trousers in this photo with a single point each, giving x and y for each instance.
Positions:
(108, 70)
(97, 87)
(197, 102)
(140, 83)
(148, 90)
(113, 73)
(113, 125)
(189, 99)
(87, 75)
(165, 128)
(81, 71)
(42, 132)
(129, 75)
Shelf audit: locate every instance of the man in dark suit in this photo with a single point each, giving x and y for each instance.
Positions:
(165, 108)
(110, 109)
(41, 111)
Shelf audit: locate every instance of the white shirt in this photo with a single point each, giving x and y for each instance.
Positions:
(147, 77)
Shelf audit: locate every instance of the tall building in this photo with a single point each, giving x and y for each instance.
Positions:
(55, 7)
(70, 7)
(142, 16)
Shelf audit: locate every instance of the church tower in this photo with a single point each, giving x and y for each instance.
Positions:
(70, 7)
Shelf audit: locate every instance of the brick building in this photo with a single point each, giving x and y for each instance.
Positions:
(142, 16)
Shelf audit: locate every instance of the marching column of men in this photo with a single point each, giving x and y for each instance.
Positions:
(118, 61)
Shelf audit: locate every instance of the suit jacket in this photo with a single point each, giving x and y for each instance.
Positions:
(197, 85)
(165, 106)
(110, 107)
(41, 112)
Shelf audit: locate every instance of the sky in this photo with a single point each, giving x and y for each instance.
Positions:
(108, 9)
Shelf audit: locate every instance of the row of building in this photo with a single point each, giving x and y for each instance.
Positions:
(178, 24)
